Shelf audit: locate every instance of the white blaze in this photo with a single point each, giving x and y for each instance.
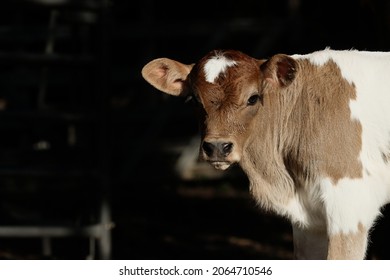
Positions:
(215, 66)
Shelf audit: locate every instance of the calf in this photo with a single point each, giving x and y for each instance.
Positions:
(312, 133)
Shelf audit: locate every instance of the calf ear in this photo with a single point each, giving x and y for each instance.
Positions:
(279, 69)
(167, 75)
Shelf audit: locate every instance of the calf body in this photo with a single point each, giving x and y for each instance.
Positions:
(312, 133)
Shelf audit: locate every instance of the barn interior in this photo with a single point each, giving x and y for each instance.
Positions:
(97, 164)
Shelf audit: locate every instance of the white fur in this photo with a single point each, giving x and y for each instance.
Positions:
(306, 208)
(352, 201)
(216, 66)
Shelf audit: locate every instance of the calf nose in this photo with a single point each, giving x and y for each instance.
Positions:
(217, 149)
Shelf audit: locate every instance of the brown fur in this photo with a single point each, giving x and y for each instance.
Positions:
(302, 130)
(321, 130)
(343, 246)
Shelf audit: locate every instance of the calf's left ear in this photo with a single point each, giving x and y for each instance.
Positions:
(279, 70)
(167, 75)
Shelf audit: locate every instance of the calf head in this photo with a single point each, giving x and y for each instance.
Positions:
(228, 88)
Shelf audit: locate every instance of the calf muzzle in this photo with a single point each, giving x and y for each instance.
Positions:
(217, 150)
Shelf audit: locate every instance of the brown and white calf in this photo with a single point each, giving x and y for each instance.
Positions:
(312, 133)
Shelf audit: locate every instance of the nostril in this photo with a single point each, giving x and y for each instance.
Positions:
(217, 149)
(227, 148)
(208, 148)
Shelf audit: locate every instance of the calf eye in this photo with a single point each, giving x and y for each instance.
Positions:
(253, 100)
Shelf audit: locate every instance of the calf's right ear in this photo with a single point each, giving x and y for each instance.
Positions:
(279, 70)
(167, 75)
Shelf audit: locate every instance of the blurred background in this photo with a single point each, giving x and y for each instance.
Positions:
(97, 164)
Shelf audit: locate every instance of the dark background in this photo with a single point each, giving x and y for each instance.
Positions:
(86, 143)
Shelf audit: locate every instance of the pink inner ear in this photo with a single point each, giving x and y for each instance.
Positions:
(161, 71)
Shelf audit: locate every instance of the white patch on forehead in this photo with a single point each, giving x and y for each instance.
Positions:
(215, 66)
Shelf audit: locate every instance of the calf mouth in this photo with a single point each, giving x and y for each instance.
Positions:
(221, 165)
